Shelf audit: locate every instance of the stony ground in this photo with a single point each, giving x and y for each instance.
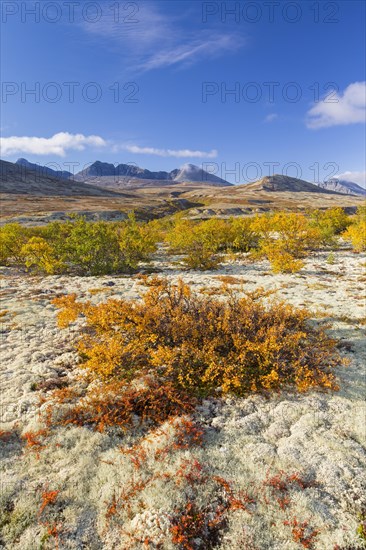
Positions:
(245, 440)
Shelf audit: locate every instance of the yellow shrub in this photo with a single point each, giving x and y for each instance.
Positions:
(284, 239)
(361, 213)
(201, 343)
(294, 233)
(202, 242)
(12, 237)
(281, 260)
(356, 233)
(38, 253)
(263, 225)
(242, 235)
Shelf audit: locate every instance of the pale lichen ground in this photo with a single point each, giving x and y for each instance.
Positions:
(320, 434)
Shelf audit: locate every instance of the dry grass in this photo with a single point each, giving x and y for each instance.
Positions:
(230, 280)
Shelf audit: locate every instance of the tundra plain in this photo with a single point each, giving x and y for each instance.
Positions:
(317, 437)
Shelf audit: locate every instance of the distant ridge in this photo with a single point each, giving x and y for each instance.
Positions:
(187, 173)
(191, 172)
(343, 186)
(279, 182)
(106, 169)
(44, 170)
(18, 179)
(104, 174)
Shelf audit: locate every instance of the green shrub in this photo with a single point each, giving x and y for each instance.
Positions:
(330, 223)
(137, 241)
(91, 248)
(200, 242)
(331, 259)
(201, 257)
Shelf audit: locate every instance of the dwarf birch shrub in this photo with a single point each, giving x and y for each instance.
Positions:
(12, 237)
(200, 242)
(204, 242)
(243, 236)
(294, 234)
(78, 246)
(90, 248)
(200, 344)
(137, 241)
(282, 261)
(285, 238)
(329, 223)
(38, 253)
(356, 232)
(99, 248)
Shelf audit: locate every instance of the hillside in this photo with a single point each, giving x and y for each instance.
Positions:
(343, 186)
(21, 180)
(279, 182)
(265, 195)
(44, 170)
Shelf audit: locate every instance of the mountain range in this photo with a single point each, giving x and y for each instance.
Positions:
(29, 192)
(343, 186)
(128, 172)
(102, 177)
(109, 176)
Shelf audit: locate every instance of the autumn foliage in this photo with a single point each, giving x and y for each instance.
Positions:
(356, 232)
(202, 344)
(78, 246)
(120, 404)
(284, 238)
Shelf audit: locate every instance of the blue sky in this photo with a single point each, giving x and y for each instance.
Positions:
(160, 73)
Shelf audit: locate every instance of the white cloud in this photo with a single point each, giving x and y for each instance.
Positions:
(178, 153)
(271, 117)
(339, 109)
(356, 177)
(189, 53)
(57, 145)
(62, 142)
(157, 40)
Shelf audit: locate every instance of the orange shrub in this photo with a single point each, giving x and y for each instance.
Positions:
(203, 343)
(117, 404)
